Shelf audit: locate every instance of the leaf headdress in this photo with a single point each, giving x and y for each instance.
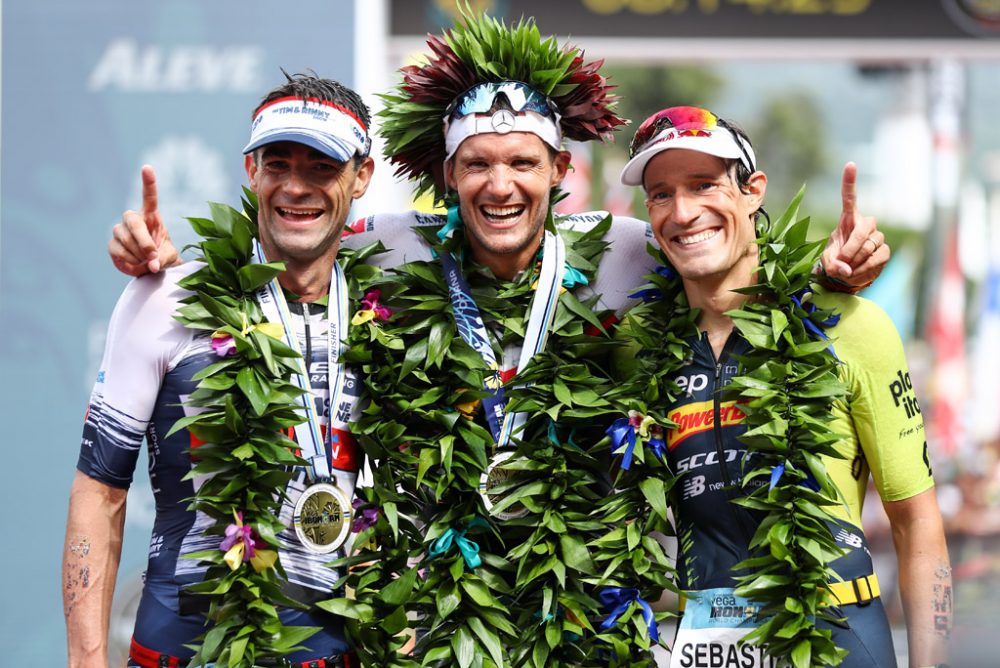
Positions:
(480, 49)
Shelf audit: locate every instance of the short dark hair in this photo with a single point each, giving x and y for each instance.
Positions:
(310, 85)
(740, 170)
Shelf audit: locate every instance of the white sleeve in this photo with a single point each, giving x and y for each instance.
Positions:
(144, 341)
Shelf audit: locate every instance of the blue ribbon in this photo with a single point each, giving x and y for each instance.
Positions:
(621, 431)
(618, 600)
(655, 294)
(658, 447)
(779, 470)
(810, 308)
(648, 295)
(666, 272)
(468, 548)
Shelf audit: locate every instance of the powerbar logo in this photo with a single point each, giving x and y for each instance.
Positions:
(698, 417)
(902, 393)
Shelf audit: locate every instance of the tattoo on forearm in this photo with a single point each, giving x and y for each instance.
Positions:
(943, 601)
(77, 572)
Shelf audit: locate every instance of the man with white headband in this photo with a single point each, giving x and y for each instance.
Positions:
(497, 299)
(306, 161)
(787, 400)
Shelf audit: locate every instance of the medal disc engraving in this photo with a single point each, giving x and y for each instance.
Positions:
(322, 518)
(494, 476)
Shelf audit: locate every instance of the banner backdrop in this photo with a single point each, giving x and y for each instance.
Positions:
(91, 91)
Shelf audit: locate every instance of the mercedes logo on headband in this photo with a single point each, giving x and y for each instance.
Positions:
(502, 121)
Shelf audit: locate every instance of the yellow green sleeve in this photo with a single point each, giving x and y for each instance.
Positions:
(881, 416)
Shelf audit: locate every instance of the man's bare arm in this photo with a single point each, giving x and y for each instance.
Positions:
(90, 565)
(924, 576)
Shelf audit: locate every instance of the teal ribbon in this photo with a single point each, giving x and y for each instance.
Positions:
(454, 222)
(468, 548)
(573, 277)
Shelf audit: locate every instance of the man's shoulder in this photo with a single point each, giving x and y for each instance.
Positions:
(854, 310)
(620, 225)
(149, 302)
(385, 227)
(162, 289)
(396, 232)
(863, 331)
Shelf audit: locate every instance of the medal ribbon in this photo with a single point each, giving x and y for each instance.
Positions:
(473, 331)
(275, 308)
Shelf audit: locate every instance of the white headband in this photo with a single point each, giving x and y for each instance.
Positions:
(501, 122)
(324, 126)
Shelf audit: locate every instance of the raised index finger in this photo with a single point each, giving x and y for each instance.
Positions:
(849, 189)
(149, 203)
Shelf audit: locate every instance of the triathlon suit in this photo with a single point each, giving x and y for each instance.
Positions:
(147, 371)
(146, 374)
(886, 439)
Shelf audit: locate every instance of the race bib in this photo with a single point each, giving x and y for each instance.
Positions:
(714, 622)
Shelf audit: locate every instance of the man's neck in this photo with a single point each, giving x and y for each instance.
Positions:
(309, 280)
(505, 266)
(714, 298)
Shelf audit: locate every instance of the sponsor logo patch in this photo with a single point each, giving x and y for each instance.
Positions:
(903, 395)
(697, 417)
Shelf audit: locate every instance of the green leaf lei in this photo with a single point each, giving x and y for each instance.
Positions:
(526, 598)
(790, 381)
(246, 401)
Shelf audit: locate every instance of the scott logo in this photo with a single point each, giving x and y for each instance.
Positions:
(902, 393)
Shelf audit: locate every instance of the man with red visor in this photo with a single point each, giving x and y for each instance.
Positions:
(705, 194)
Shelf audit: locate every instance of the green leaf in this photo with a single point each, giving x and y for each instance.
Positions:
(252, 276)
(447, 599)
(801, 655)
(655, 493)
(488, 639)
(575, 553)
(398, 591)
(464, 647)
(251, 387)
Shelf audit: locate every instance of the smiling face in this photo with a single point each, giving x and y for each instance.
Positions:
(304, 199)
(701, 218)
(503, 183)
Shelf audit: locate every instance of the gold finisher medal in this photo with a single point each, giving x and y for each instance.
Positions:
(494, 476)
(322, 518)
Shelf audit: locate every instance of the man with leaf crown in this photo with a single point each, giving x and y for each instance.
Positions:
(488, 384)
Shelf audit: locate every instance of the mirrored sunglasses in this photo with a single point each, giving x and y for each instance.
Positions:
(484, 97)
